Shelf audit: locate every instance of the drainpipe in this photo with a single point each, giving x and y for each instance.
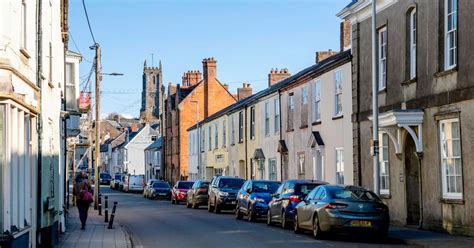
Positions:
(281, 136)
(244, 122)
(39, 68)
(420, 178)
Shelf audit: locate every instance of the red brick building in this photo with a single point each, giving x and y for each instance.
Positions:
(186, 104)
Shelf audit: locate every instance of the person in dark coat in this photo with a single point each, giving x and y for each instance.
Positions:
(82, 185)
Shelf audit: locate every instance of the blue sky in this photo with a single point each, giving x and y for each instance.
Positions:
(246, 37)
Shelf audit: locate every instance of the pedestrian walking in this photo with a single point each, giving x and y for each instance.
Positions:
(83, 192)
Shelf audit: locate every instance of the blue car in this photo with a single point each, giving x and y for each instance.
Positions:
(253, 198)
(281, 208)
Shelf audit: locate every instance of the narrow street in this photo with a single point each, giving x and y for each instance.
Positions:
(158, 223)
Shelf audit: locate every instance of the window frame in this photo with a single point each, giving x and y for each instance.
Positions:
(338, 110)
(209, 129)
(339, 165)
(241, 126)
(444, 175)
(384, 163)
(267, 118)
(252, 122)
(216, 135)
(317, 101)
(272, 169)
(276, 106)
(382, 61)
(224, 133)
(301, 165)
(304, 106)
(447, 65)
(413, 18)
(290, 112)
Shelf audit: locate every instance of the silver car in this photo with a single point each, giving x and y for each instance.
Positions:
(341, 208)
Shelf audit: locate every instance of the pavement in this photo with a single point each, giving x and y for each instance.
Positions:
(422, 238)
(96, 233)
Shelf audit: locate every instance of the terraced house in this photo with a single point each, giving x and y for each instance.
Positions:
(426, 98)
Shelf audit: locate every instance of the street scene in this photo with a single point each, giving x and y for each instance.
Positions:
(243, 123)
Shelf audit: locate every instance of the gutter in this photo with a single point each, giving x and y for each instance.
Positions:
(39, 68)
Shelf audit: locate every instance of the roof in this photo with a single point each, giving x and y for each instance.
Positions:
(114, 124)
(258, 154)
(320, 67)
(155, 145)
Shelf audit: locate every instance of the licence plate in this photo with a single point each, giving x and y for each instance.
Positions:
(363, 223)
(233, 202)
(162, 194)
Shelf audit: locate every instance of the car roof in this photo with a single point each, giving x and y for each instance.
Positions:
(299, 181)
(220, 177)
(263, 181)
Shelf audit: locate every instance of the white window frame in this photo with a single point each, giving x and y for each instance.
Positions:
(267, 118)
(224, 133)
(317, 101)
(276, 120)
(209, 129)
(291, 110)
(444, 156)
(339, 165)
(272, 169)
(384, 163)
(252, 122)
(232, 130)
(413, 37)
(301, 163)
(382, 58)
(338, 93)
(216, 136)
(448, 45)
(24, 25)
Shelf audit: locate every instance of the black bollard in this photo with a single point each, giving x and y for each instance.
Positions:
(112, 216)
(106, 211)
(100, 204)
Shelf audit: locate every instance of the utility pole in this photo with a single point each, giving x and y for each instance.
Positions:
(97, 124)
(375, 104)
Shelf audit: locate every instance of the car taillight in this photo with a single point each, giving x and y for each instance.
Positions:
(294, 198)
(381, 207)
(201, 190)
(335, 205)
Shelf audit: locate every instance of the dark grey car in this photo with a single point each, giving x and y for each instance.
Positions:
(198, 194)
(341, 208)
(223, 193)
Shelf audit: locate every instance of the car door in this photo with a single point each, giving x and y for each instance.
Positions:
(214, 191)
(305, 212)
(246, 198)
(241, 195)
(273, 202)
(279, 201)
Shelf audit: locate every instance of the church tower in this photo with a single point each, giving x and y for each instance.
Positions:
(152, 94)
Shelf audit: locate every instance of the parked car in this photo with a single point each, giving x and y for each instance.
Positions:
(223, 193)
(160, 190)
(148, 186)
(253, 198)
(288, 195)
(134, 183)
(179, 191)
(342, 208)
(197, 195)
(104, 178)
(115, 183)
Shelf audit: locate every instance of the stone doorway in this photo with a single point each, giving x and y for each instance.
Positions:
(284, 167)
(412, 183)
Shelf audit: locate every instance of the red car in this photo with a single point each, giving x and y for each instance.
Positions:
(180, 190)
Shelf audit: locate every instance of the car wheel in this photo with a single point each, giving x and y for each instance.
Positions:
(284, 223)
(216, 207)
(238, 214)
(250, 217)
(209, 207)
(296, 226)
(269, 218)
(317, 233)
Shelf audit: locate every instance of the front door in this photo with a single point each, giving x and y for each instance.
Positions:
(412, 176)
(285, 166)
(242, 169)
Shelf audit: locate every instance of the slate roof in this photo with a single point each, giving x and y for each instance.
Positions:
(314, 69)
(155, 145)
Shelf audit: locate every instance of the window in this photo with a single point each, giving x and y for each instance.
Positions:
(272, 170)
(276, 104)
(216, 136)
(317, 101)
(384, 164)
(301, 161)
(338, 93)
(413, 43)
(382, 58)
(202, 140)
(241, 126)
(450, 34)
(232, 128)
(304, 107)
(291, 108)
(267, 118)
(224, 138)
(451, 168)
(209, 136)
(24, 21)
(339, 165)
(252, 122)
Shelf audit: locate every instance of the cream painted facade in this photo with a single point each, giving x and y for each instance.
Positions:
(237, 144)
(215, 149)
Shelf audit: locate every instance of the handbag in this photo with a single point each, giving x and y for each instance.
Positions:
(85, 195)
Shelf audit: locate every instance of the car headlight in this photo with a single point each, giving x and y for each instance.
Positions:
(259, 200)
(223, 194)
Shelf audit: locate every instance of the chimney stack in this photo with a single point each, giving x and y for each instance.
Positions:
(322, 55)
(244, 91)
(209, 68)
(171, 88)
(345, 35)
(190, 78)
(276, 76)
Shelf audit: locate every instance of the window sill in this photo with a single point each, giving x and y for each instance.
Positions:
(452, 201)
(304, 126)
(25, 53)
(409, 81)
(382, 91)
(241, 142)
(316, 123)
(338, 117)
(446, 72)
(290, 130)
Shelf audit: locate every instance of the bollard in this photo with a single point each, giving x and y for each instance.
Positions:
(100, 204)
(112, 216)
(106, 211)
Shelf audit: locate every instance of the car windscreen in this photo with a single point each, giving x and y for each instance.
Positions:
(118, 177)
(204, 185)
(305, 188)
(231, 183)
(265, 187)
(105, 176)
(351, 194)
(161, 185)
(185, 185)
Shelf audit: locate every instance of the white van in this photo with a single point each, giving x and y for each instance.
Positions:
(134, 183)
